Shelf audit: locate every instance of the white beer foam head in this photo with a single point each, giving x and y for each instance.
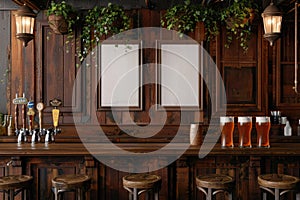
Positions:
(242, 120)
(226, 119)
(262, 119)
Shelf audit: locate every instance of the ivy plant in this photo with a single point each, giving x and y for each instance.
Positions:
(66, 11)
(99, 22)
(236, 15)
(181, 17)
(238, 18)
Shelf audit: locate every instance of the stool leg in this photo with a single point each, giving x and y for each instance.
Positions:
(264, 196)
(209, 194)
(24, 194)
(156, 195)
(55, 193)
(147, 195)
(130, 195)
(78, 191)
(230, 195)
(135, 194)
(276, 194)
(81, 194)
(11, 195)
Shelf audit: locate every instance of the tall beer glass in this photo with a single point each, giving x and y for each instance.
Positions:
(263, 126)
(245, 127)
(227, 126)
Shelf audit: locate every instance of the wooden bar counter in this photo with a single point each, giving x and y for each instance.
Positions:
(244, 164)
(78, 149)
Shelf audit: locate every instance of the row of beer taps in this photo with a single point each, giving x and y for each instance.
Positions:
(34, 134)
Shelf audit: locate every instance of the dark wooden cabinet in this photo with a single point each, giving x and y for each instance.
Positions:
(286, 98)
(48, 67)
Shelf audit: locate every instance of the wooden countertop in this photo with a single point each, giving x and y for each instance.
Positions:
(78, 149)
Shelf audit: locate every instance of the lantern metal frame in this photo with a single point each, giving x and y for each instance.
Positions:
(25, 12)
(272, 11)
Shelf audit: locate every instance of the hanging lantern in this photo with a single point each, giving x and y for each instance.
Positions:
(272, 18)
(25, 19)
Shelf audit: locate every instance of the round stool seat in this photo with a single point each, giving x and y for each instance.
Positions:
(141, 181)
(216, 181)
(212, 184)
(79, 183)
(278, 184)
(280, 181)
(15, 181)
(70, 181)
(136, 184)
(13, 184)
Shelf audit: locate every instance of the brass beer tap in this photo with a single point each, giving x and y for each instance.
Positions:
(49, 137)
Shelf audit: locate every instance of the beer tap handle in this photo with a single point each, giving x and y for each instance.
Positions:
(40, 107)
(30, 114)
(16, 102)
(16, 116)
(24, 116)
(24, 112)
(55, 112)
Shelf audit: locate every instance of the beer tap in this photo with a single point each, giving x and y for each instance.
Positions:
(22, 136)
(16, 102)
(55, 114)
(40, 106)
(49, 137)
(22, 132)
(35, 136)
(30, 115)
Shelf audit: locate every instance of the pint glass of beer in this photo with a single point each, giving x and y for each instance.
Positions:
(244, 128)
(227, 126)
(263, 126)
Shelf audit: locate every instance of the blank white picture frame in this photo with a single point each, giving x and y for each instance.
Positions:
(121, 75)
(179, 70)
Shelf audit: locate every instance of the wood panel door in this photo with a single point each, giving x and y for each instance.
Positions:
(244, 75)
(56, 68)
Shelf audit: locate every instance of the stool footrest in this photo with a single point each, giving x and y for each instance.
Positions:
(139, 191)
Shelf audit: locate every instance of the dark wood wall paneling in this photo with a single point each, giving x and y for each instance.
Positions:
(5, 60)
(47, 68)
(44, 70)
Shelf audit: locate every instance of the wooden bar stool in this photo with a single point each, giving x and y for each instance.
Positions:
(278, 184)
(14, 184)
(215, 183)
(137, 184)
(79, 183)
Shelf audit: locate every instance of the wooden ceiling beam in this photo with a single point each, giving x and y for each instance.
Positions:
(29, 3)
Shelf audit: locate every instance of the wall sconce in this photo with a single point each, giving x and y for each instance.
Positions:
(272, 18)
(25, 19)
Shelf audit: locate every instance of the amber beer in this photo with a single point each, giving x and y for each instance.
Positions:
(244, 128)
(263, 125)
(227, 126)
